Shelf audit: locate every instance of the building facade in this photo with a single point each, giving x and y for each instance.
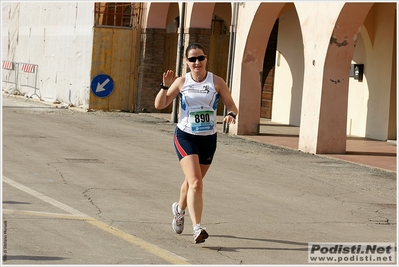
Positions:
(327, 67)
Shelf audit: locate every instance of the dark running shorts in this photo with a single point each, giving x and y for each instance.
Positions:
(202, 145)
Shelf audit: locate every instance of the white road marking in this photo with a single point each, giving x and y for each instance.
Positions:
(153, 249)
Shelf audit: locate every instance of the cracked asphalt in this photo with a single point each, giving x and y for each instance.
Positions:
(97, 188)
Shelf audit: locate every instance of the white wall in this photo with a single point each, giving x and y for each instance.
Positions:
(58, 37)
(358, 95)
(288, 76)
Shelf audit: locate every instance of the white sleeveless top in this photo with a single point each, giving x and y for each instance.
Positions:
(198, 106)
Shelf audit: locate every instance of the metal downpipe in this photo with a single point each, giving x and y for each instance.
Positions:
(230, 63)
(180, 53)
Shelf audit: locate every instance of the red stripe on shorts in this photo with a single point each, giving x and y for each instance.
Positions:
(179, 148)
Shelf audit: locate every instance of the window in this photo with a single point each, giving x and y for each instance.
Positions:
(117, 14)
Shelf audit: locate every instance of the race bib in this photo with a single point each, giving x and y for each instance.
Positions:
(202, 119)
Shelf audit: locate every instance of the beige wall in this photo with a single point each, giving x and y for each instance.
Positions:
(317, 22)
(379, 72)
(369, 101)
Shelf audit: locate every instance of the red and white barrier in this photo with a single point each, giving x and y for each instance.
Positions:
(10, 75)
(8, 65)
(28, 67)
(20, 75)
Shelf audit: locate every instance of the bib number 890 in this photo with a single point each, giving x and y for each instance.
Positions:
(202, 118)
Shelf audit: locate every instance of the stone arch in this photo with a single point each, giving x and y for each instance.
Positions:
(198, 23)
(157, 14)
(158, 51)
(200, 15)
(248, 79)
(200, 26)
(289, 69)
(331, 132)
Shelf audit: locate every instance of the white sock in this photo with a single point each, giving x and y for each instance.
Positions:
(180, 210)
(197, 226)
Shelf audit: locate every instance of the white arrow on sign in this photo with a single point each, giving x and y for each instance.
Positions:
(100, 87)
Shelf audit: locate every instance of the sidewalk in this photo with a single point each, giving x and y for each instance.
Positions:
(374, 153)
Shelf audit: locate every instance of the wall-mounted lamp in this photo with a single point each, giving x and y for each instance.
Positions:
(357, 71)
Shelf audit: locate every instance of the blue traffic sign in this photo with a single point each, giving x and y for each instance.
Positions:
(102, 85)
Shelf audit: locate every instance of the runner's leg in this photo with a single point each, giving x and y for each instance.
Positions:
(193, 172)
(184, 187)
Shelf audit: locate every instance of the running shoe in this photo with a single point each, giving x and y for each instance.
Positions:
(178, 219)
(200, 234)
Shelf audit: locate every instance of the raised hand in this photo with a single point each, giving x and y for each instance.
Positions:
(168, 78)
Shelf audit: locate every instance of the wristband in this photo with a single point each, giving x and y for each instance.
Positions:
(231, 113)
(163, 86)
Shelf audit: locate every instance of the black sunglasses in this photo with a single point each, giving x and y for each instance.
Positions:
(194, 59)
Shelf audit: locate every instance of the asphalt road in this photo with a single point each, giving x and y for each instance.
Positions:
(97, 188)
